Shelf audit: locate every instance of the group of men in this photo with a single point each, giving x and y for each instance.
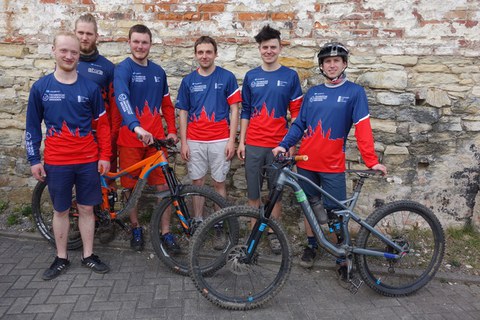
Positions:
(94, 111)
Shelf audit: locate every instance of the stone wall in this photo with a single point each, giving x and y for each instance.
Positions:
(419, 61)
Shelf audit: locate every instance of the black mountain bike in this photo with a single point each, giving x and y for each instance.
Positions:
(397, 250)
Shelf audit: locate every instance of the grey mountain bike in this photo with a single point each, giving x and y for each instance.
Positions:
(397, 250)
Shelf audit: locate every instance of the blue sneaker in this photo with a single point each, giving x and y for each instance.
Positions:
(137, 239)
(168, 241)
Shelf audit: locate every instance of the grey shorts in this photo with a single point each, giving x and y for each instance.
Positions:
(205, 155)
(255, 159)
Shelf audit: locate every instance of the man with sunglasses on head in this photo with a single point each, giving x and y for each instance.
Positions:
(327, 114)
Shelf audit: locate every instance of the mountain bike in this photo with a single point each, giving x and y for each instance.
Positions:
(397, 250)
(180, 200)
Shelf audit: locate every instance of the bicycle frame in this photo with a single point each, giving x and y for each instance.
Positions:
(289, 178)
(147, 165)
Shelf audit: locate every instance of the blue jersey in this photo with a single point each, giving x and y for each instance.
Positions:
(101, 70)
(68, 111)
(266, 98)
(142, 97)
(207, 100)
(326, 117)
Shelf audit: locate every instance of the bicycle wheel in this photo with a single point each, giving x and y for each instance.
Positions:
(206, 202)
(405, 223)
(42, 210)
(236, 284)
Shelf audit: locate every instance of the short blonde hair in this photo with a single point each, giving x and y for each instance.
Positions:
(87, 18)
(65, 34)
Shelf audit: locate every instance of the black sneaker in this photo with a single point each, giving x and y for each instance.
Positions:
(308, 257)
(58, 266)
(168, 240)
(342, 269)
(137, 239)
(93, 262)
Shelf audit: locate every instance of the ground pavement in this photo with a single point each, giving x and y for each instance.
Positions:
(140, 287)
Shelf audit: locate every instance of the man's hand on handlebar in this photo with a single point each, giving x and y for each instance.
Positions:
(278, 150)
(143, 135)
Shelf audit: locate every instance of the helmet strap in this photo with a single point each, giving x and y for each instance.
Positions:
(337, 79)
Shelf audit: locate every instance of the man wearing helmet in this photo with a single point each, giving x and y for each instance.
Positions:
(327, 114)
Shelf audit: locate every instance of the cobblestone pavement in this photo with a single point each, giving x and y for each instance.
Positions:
(140, 287)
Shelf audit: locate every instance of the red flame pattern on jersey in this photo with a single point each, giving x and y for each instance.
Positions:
(68, 147)
(152, 122)
(204, 128)
(324, 154)
(264, 129)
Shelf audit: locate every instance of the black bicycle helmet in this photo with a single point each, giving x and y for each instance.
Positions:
(333, 49)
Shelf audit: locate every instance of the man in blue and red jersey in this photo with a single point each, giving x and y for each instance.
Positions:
(68, 103)
(94, 66)
(208, 100)
(268, 93)
(143, 99)
(327, 114)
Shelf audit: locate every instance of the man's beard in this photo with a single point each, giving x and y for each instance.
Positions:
(88, 50)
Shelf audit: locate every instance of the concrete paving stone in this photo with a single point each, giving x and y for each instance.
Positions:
(111, 315)
(22, 282)
(161, 291)
(145, 300)
(20, 317)
(41, 296)
(63, 311)
(63, 299)
(17, 293)
(102, 306)
(149, 313)
(62, 286)
(41, 308)
(18, 305)
(102, 294)
(6, 268)
(44, 316)
(83, 303)
(90, 315)
(82, 290)
(122, 297)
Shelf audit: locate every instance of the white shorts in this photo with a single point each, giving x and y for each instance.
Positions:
(205, 155)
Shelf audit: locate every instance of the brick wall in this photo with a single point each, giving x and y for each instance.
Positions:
(417, 59)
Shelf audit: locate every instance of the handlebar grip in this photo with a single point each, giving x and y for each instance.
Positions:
(301, 158)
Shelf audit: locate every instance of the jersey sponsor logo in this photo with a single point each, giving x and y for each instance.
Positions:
(259, 82)
(218, 86)
(198, 87)
(124, 103)
(281, 83)
(95, 71)
(138, 77)
(342, 99)
(318, 97)
(157, 79)
(82, 99)
(53, 96)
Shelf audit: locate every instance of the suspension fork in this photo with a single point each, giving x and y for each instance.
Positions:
(261, 224)
(178, 202)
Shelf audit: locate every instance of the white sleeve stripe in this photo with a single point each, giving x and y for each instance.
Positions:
(300, 97)
(238, 89)
(366, 117)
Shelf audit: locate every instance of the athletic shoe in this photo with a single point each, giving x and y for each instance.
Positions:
(342, 269)
(58, 266)
(170, 244)
(137, 239)
(308, 257)
(93, 262)
(275, 245)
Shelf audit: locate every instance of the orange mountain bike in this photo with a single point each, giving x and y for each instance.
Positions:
(182, 201)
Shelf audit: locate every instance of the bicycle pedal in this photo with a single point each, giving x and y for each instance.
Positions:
(355, 284)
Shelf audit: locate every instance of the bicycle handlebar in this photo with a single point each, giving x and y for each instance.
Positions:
(163, 143)
(281, 158)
